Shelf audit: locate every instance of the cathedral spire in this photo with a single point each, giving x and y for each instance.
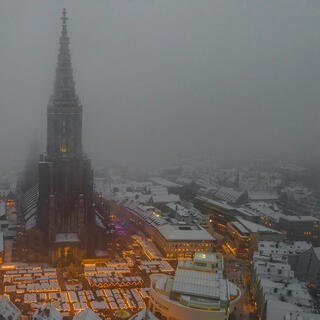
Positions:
(64, 112)
(64, 89)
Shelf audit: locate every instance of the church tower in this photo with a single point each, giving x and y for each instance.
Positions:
(64, 110)
(65, 211)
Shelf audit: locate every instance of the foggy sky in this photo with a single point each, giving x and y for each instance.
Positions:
(161, 77)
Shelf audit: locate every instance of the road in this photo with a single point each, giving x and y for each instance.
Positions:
(238, 272)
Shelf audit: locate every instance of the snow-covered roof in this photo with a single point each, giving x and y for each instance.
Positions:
(47, 312)
(186, 232)
(99, 222)
(166, 198)
(217, 203)
(31, 222)
(30, 197)
(267, 209)
(228, 194)
(286, 297)
(262, 196)
(298, 218)
(280, 310)
(254, 227)
(291, 291)
(164, 182)
(67, 237)
(170, 231)
(273, 270)
(180, 210)
(240, 227)
(277, 310)
(87, 314)
(192, 282)
(133, 196)
(99, 305)
(158, 190)
(247, 212)
(8, 310)
(29, 207)
(212, 257)
(283, 247)
(195, 283)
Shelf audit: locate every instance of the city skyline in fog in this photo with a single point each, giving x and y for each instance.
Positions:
(161, 78)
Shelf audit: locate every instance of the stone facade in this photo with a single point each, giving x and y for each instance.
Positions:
(65, 211)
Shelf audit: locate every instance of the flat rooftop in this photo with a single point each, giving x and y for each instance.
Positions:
(184, 232)
(254, 227)
(208, 257)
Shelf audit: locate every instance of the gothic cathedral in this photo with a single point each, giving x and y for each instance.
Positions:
(65, 207)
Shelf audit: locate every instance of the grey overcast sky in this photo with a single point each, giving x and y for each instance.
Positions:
(160, 77)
